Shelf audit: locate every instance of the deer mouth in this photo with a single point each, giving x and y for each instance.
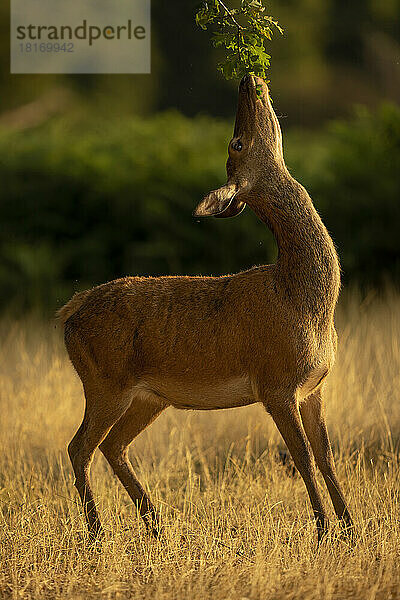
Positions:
(255, 90)
(253, 101)
(247, 91)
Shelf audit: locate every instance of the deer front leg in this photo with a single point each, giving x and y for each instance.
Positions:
(287, 418)
(312, 414)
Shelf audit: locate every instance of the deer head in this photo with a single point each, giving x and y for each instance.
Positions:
(255, 154)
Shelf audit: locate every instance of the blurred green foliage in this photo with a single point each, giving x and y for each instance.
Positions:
(86, 199)
(351, 168)
(358, 188)
(79, 209)
(333, 53)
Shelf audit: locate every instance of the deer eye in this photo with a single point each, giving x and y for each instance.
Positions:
(237, 146)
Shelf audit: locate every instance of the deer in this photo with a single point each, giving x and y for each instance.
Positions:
(265, 335)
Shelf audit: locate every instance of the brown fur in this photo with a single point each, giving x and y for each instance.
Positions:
(72, 306)
(140, 344)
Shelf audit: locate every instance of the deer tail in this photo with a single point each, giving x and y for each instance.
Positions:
(71, 307)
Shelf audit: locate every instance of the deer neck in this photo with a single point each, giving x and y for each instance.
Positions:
(307, 268)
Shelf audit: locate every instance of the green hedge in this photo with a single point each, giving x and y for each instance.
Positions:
(87, 202)
(84, 202)
(353, 173)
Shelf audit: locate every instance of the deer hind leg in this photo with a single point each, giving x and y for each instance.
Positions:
(287, 419)
(312, 414)
(140, 414)
(104, 406)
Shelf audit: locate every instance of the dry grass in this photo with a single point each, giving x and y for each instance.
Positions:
(237, 523)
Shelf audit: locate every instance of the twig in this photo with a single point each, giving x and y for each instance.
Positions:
(230, 14)
(239, 27)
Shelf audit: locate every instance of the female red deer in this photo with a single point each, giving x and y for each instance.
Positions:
(141, 344)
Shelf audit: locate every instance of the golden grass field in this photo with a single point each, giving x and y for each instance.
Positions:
(237, 522)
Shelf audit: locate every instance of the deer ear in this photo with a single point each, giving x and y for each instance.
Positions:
(234, 209)
(217, 202)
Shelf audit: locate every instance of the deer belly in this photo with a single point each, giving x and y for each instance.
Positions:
(206, 395)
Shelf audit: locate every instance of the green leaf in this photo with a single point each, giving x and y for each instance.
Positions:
(244, 42)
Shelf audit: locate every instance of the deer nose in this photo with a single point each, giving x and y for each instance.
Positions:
(246, 80)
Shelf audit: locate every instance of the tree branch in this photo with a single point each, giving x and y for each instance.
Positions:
(230, 14)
